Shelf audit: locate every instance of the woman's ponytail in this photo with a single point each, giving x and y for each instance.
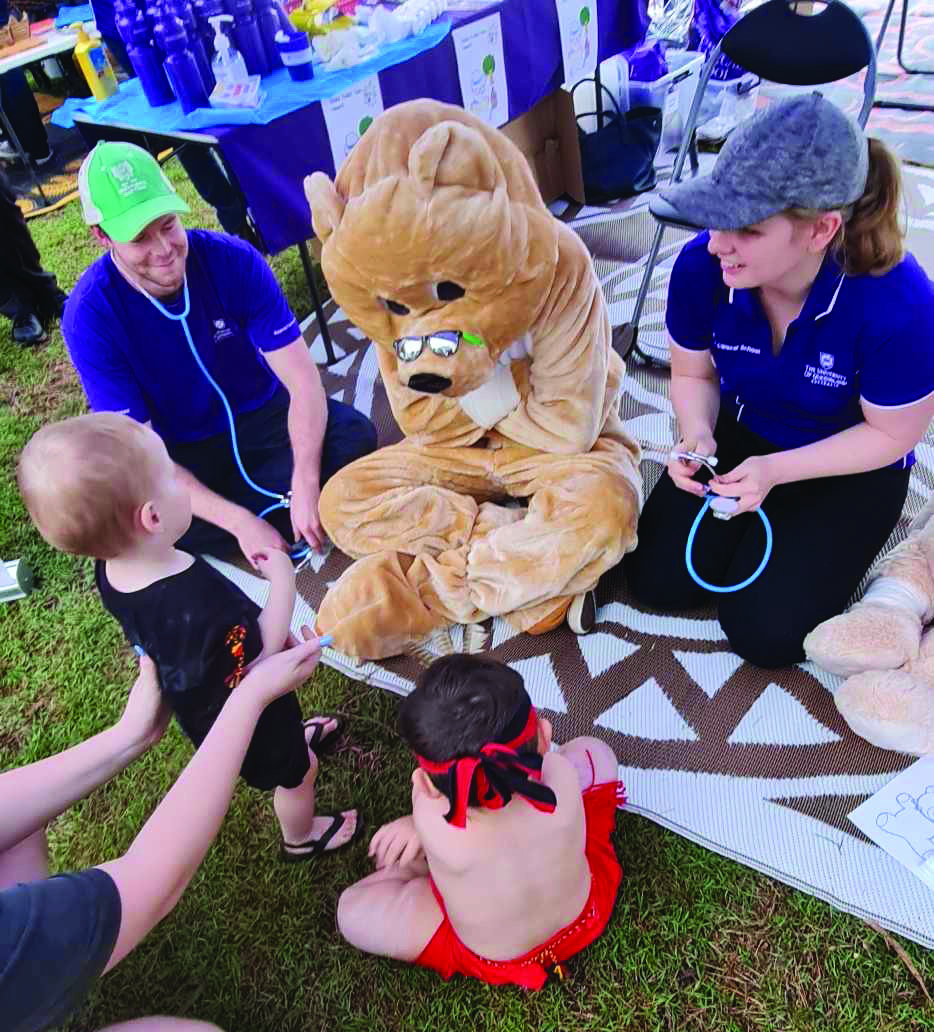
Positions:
(872, 236)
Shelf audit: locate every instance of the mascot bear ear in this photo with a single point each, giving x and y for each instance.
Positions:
(327, 208)
(453, 154)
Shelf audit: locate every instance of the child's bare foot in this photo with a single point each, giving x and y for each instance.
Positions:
(327, 834)
(322, 733)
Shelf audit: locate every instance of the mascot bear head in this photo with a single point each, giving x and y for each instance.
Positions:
(436, 244)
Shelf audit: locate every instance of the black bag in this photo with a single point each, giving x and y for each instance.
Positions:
(619, 158)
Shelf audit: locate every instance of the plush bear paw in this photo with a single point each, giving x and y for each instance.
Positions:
(868, 637)
(893, 709)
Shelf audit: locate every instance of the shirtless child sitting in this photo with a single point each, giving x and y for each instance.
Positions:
(103, 485)
(505, 867)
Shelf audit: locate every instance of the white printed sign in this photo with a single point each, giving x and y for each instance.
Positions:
(349, 115)
(900, 819)
(482, 69)
(577, 23)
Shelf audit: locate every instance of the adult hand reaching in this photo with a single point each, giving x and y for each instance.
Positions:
(306, 523)
(255, 536)
(146, 715)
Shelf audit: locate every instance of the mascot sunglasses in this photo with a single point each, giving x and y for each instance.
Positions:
(443, 343)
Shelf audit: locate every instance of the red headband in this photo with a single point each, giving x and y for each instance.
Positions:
(499, 771)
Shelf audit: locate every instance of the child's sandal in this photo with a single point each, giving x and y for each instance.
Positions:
(315, 847)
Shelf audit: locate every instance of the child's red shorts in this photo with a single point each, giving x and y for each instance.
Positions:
(447, 955)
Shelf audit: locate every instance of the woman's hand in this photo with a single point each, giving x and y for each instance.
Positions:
(682, 471)
(146, 714)
(749, 483)
(281, 672)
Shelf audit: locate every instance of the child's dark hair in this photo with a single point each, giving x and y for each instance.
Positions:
(460, 704)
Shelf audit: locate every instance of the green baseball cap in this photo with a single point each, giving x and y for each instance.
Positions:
(123, 189)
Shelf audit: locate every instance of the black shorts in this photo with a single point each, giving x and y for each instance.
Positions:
(278, 752)
(56, 937)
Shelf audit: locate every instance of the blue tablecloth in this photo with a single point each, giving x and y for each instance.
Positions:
(270, 161)
(283, 94)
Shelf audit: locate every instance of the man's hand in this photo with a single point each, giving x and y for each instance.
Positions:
(146, 714)
(304, 509)
(750, 482)
(396, 843)
(281, 672)
(273, 565)
(681, 471)
(255, 535)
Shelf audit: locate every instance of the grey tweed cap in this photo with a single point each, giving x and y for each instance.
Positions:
(799, 152)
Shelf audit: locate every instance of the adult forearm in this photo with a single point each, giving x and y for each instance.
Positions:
(32, 796)
(308, 420)
(210, 506)
(696, 403)
(154, 872)
(857, 450)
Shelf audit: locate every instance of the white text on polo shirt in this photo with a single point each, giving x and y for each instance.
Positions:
(824, 377)
(737, 347)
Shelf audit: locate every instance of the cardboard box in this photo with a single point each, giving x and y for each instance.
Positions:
(547, 136)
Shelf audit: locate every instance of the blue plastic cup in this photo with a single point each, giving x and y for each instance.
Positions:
(295, 51)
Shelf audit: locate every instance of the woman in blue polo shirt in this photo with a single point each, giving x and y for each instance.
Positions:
(802, 356)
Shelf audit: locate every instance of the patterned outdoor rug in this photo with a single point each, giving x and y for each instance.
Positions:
(754, 764)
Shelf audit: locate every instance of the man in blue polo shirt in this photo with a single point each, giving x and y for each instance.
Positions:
(802, 355)
(165, 318)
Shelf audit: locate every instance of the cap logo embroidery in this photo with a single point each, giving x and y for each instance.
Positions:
(128, 182)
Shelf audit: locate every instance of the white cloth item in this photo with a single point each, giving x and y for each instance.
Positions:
(494, 400)
(887, 591)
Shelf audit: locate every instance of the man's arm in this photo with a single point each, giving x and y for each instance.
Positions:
(253, 534)
(154, 872)
(32, 796)
(308, 420)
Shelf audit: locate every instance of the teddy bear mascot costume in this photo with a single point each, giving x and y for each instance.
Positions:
(884, 647)
(515, 487)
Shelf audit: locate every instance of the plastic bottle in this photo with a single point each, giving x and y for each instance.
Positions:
(247, 37)
(267, 18)
(180, 63)
(184, 10)
(205, 10)
(94, 64)
(147, 62)
(228, 65)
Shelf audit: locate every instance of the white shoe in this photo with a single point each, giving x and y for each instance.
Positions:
(582, 613)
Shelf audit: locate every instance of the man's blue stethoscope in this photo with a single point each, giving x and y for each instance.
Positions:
(299, 551)
(721, 509)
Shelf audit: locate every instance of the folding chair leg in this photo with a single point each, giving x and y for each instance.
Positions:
(643, 293)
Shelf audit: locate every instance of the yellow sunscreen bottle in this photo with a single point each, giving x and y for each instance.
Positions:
(94, 65)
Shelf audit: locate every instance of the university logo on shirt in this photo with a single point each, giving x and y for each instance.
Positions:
(826, 360)
(221, 332)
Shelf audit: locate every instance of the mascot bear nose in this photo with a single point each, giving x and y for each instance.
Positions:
(429, 383)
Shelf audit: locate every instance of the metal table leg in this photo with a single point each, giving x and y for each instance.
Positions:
(316, 301)
(14, 139)
(900, 105)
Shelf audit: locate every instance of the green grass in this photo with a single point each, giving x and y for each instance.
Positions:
(696, 942)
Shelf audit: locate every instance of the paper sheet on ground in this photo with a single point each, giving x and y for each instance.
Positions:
(900, 818)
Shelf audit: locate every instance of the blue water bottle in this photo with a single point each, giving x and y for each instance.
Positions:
(267, 18)
(147, 63)
(247, 38)
(295, 51)
(183, 10)
(180, 63)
